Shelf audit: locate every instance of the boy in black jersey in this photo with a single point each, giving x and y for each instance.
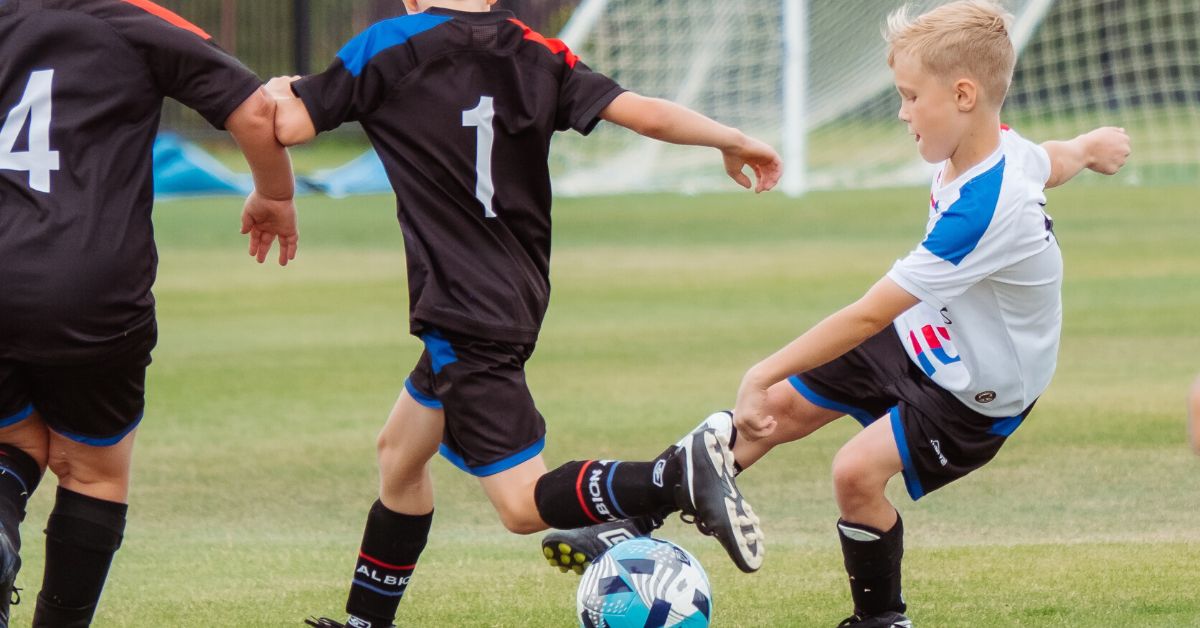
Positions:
(461, 102)
(81, 90)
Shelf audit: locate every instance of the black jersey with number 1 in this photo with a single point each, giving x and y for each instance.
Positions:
(461, 108)
(81, 90)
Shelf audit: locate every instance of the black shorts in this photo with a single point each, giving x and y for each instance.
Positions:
(939, 438)
(97, 403)
(491, 422)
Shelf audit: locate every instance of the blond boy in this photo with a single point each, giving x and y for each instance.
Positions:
(954, 345)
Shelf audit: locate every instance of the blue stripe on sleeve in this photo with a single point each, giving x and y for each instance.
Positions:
(962, 225)
(384, 35)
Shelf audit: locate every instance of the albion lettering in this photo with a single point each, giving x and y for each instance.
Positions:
(385, 579)
(594, 492)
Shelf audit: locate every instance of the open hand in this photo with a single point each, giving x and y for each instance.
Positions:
(761, 158)
(266, 219)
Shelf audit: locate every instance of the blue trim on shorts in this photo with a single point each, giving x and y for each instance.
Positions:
(494, 467)
(21, 415)
(440, 351)
(911, 481)
(860, 415)
(94, 441)
(369, 587)
(1006, 426)
(612, 497)
(421, 398)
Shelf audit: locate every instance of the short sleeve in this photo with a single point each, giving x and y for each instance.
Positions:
(184, 62)
(1042, 168)
(583, 94)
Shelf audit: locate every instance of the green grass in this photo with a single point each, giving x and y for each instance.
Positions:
(255, 464)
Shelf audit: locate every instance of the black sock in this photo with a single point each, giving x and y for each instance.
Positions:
(19, 476)
(81, 537)
(872, 559)
(392, 543)
(583, 493)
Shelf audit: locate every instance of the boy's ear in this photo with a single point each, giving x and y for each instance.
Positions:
(966, 94)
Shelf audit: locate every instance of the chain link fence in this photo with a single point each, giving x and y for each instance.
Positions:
(283, 37)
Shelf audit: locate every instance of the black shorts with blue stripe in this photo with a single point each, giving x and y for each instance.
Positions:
(939, 438)
(492, 424)
(96, 403)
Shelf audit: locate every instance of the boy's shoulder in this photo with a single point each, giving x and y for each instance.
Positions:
(433, 33)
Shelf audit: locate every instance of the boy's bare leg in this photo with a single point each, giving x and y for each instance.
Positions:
(870, 529)
(85, 528)
(512, 494)
(398, 523)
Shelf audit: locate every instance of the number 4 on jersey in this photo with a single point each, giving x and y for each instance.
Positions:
(34, 107)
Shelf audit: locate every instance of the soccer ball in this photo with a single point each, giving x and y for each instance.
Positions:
(643, 583)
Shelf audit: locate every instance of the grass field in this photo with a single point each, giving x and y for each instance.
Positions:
(255, 465)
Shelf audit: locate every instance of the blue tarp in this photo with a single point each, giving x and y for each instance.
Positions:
(362, 175)
(183, 169)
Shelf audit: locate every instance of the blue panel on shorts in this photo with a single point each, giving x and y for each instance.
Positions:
(860, 415)
(423, 399)
(18, 417)
(494, 467)
(94, 441)
(1006, 426)
(440, 351)
(911, 481)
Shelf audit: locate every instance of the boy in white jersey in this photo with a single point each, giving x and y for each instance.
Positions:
(953, 346)
(944, 357)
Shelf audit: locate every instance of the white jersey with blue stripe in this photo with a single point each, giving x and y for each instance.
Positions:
(989, 277)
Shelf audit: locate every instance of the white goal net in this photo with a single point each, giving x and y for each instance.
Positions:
(1082, 63)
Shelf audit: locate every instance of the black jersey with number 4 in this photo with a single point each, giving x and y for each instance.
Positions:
(461, 108)
(81, 90)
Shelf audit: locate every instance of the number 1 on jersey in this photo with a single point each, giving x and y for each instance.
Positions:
(38, 160)
(481, 118)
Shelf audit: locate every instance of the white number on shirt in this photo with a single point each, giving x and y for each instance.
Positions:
(34, 107)
(481, 118)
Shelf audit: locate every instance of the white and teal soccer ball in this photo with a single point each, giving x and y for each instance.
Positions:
(644, 583)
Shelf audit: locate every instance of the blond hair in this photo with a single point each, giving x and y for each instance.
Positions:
(967, 37)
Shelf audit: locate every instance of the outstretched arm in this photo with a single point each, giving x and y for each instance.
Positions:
(669, 122)
(293, 124)
(1104, 150)
(270, 211)
(840, 332)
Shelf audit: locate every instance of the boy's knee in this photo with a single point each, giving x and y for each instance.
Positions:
(520, 518)
(852, 477)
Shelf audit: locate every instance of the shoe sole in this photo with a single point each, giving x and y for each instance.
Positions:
(732, 521)
(562, 555)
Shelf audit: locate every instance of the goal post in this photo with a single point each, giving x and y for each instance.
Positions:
(810, 78)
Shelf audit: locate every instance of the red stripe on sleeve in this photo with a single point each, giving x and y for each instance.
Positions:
(169, 16)
(555, 45)
(1005, 127)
